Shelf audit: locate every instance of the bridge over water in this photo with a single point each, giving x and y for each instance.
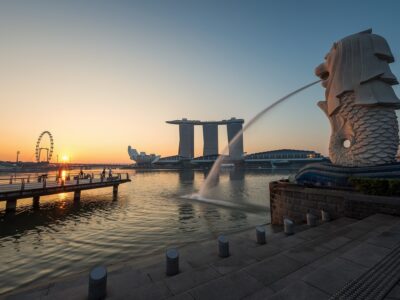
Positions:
(28, 187)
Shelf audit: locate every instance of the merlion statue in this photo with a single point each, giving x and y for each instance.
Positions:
(360, 101)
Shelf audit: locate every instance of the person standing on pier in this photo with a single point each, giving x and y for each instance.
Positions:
(60, 170)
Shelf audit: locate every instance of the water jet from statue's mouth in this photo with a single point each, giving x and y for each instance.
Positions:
(208, 183)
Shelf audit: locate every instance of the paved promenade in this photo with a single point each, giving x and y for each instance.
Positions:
(315, 263)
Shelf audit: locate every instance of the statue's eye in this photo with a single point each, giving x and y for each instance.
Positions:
(346, 143)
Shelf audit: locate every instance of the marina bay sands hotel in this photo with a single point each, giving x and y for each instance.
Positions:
(285, 158)
(210, 135)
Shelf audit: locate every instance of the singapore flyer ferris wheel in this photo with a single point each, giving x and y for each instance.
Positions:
(39, 149)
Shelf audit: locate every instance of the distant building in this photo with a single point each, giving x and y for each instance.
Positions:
(171, 159)
(283, 158)
(268, 159)
(235, 128)
(142, 158)
(210, 137)
(284, 154)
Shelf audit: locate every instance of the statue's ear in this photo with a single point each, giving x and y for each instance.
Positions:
(323, 105)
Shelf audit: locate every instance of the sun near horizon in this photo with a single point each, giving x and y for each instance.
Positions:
(107, 76)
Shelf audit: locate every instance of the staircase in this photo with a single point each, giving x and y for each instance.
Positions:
(342, 259)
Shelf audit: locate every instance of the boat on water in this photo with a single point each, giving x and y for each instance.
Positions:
(141, 158)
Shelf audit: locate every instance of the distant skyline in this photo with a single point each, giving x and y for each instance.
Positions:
(102, 75)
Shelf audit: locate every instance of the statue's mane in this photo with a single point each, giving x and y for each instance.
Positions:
(360, 64)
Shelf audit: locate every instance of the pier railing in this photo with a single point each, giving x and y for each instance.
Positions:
(66, 179)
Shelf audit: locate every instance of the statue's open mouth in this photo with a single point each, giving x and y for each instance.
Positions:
(322, 73)
(324, 76)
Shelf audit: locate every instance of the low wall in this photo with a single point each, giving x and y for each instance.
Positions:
(294, 201)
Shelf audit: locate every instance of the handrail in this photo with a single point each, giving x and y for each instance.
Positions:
(46, 184)
(66, 179)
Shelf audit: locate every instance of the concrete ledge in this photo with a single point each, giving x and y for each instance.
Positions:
(295, 201)
(314, 263)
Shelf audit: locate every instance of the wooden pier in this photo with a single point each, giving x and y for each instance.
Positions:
(27, 187)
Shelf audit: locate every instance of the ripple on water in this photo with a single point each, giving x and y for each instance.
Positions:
(64, 237)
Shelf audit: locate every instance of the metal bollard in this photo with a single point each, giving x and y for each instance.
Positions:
(223, 246)
(97, 283)
(288, 226)
(325, 216)
(311, 220)
(260, 234)
(172, 258)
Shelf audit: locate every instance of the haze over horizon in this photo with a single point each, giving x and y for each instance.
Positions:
(103, 75)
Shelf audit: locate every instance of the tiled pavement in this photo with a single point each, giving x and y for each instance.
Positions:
(312, 264)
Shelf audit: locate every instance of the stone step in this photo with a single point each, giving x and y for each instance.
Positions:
(264, 263)
(365, 244)
(375, 283)
(204, 275)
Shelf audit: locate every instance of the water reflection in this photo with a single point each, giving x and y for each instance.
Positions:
(186, 176)
(49, 213)
(186, 212)
(63, 237)
(238, 184)
(237, 174)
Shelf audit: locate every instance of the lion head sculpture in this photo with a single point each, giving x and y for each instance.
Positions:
(358, 63)
(360, 101)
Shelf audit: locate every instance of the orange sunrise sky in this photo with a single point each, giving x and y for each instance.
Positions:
(104, 75)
